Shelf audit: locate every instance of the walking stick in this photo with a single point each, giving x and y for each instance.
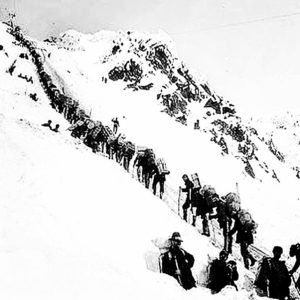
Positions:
(179, 196)
(177, 268)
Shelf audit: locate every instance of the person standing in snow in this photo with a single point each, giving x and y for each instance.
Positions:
(48, 124)
(222, 273)
(188, 190)
(177, 262)
(273, 278)
(295, 251)
(116, 125)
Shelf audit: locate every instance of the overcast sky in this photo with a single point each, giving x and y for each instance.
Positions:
(249, 50)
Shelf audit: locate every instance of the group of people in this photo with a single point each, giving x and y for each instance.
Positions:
(202, 201)
(273, 278)
(178, 263)
(148, 168)
(98, 137)
(206, 203)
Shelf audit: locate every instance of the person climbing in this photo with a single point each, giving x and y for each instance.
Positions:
(295, 251)
(48, 124)
(273, 278)
(158, 178)
(244, 226)
(116, 125)
(177, 262)
(227, 208)
(188, 190)
(202, 205)
(222, 273)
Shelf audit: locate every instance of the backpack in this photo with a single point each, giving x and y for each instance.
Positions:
(108, 134)
(162, 166)
(130, 148)
(233, 203)
(210, 195)
(196, 181)
(150, 157)
(246, 220)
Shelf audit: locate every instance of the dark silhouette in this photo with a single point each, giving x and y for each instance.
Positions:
(188, 190)
(178, 263)
(273, 278)
(48, 124)
(222, 273)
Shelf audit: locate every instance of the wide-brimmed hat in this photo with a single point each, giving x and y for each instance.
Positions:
(176, 237)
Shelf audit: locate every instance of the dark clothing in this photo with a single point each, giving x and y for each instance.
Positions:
(188, 190)
(225, 224)
(116, 125)
(273, 278)
(244, 237)
(47, 125)
(222, 274)
(178, 260)
(159, 178)
(297, 263)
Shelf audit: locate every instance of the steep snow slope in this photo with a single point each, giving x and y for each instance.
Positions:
(67, 181)
(186, 150)
(73, 224)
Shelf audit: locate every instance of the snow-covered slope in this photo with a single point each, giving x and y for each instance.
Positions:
(74, 224)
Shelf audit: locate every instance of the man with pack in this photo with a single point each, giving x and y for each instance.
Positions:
(177, 262)
(116, 125)
(273, 278)
(222, 273)
(128, 151)
(189, 194)
(295, 251)
(204, 201)
(160, 171)
(244, 226)
(227, 208)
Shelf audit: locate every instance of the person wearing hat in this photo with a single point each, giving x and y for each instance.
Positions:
(177, 262)
(222, 273)
(295, 251)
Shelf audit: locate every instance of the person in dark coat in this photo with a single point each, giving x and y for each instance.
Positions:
(245, 238)
(189, 191)
(222, 273)
(116, 125)
(201, 207)
(225, 223)
(158, 178)
(48, 124)
(177, 262)
(273, 278)
(295, 251)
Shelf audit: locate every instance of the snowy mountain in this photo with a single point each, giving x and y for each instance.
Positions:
(74, 224)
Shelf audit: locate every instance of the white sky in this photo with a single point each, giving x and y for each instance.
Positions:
(247, 49)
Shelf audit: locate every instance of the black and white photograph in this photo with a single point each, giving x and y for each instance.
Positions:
(149, 150)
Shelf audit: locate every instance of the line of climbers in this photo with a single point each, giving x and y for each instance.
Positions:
(97, 136)
(206, 203)
(203, 202)
(272, 280)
